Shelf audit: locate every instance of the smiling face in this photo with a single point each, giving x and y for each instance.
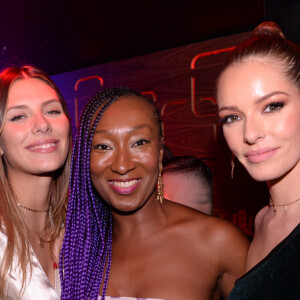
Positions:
(125, 154)
(260, 110)
(35, 135)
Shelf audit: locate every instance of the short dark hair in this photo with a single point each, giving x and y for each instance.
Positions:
(189, 164)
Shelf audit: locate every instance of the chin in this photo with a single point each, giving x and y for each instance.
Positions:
(262, 175)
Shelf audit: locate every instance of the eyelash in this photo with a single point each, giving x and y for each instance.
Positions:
(141, 143)
(226, 119)
(54, 112)
(276, 106)
(17, 118)
(50, 112)
(102, 147)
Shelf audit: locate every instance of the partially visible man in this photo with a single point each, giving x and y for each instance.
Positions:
(188, 180)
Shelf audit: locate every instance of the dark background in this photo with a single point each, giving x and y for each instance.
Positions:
(60, 36)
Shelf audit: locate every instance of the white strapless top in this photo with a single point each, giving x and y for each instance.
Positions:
(127, 298)
(37, 286)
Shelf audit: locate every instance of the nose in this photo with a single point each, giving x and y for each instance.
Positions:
(253, 130)
(41, 124)
(122, 161)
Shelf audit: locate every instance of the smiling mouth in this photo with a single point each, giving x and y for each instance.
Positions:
(42, 146)
(126, 184)
(125, 187)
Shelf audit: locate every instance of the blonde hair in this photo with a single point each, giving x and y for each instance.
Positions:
(10, 217)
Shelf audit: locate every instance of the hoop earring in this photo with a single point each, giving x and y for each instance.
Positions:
(232, 165)
(160, 185)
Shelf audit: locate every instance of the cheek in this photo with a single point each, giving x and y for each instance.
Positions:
(11, 137)
(287, 129)
(150, 160)
(97, 165)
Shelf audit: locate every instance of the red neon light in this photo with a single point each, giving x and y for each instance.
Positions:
(76, 89)
(150, 93)
(209, 54)
(86, 79)
(162, 111)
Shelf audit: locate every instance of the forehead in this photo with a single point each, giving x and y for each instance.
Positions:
(128, 109)
(29, 89)
(253, 78)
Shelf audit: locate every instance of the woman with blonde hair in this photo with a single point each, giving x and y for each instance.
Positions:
(34, 170)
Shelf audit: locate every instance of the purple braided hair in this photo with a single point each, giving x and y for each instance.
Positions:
(87, 246)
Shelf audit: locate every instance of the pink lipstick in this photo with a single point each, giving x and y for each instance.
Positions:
(124, 187)
(260, 155)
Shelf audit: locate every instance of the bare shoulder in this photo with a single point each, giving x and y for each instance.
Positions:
(214, 230)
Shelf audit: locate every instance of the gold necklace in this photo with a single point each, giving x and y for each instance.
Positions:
(31, 209)
(285, 205)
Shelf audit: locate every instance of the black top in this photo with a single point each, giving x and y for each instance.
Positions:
(275, 277)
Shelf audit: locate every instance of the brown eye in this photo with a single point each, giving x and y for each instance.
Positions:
(140, 143)
(230, 119)
(273, 107)
(102, 147)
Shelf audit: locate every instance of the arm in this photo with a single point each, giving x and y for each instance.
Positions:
(231, 246)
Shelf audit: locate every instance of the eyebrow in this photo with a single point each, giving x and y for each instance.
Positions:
(257, 101)
(135, 128)
(26, 106)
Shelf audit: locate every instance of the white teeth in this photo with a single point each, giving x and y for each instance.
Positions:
(126, 184)
(43, 146)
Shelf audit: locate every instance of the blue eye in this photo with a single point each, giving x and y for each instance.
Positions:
(230, 119)
(274, 106)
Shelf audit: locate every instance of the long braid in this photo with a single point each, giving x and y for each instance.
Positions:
(87, 248)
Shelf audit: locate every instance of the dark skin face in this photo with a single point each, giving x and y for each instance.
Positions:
(125, 155)
(163, 251)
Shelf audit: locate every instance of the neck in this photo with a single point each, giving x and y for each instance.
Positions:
(140, 222)
(31, 191)
(285, 190)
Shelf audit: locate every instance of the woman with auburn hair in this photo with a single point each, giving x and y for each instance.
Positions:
(259, 105)
(35, 140)
(122, 238)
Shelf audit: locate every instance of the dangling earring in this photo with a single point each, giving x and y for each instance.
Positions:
(160, 185)
(232, 165)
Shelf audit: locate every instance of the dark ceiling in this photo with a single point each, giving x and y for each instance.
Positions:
(61, 36)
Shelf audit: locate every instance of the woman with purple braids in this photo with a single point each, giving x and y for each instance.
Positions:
(122, 238)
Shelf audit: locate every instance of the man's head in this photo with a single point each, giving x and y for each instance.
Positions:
(188, 180)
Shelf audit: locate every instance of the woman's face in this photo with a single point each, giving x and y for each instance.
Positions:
(125, 154)
(35, 136)
(260, 111)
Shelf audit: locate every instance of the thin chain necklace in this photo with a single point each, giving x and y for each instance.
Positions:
(49, 209)
(31, 209)
(280, 204)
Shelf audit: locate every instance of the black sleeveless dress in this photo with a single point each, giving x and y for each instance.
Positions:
(275, 277)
